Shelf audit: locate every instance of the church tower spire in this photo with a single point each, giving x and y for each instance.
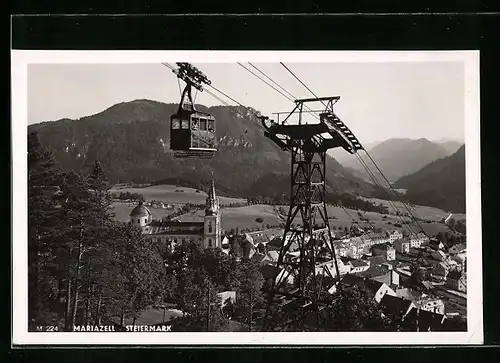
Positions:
(212, 202)
(212, 218)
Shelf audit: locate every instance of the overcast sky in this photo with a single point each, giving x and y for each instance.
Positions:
(378, 100)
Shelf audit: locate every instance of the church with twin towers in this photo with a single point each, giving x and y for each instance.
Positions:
(173, 232)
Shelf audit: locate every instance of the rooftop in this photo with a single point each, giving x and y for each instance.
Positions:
(460, 246)
(375, 260)
(402, 240)
(352, 280)
(140, 211)
(357, 263)
(395, 305)
(376, 235)
(375, 271)
(382, 246)
(455, 275)
(424, 320)
(175, 228)
(408, 294)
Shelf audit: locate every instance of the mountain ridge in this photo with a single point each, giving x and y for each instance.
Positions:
(131, 139)
(397, 157)
(439, 184)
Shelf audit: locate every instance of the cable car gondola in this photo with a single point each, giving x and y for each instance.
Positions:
(192, 133)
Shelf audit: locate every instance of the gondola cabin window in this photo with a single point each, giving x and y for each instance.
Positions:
(195, 123)
(193, 134)
(203, 124)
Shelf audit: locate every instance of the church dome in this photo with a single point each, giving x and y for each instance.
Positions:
(140, 211)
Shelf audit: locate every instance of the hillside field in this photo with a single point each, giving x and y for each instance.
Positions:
(340, 218)
(420, 211)
(245, 217)
(122, 211)
(174, 195)
(241, 217)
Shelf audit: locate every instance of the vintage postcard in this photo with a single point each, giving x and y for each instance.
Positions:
(246, 198)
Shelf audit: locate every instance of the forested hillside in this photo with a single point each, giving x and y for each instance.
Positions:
(440, 184)
(131, 140)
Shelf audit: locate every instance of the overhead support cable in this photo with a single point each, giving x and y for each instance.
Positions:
(309, 110)
(298, 79)
(377, 184)
(217, 98)
(373, 161)
(273, 81)
(270, 85)
(229, 97)
(290, 96)
(395, 193)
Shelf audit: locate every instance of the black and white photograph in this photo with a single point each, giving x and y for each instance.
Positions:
(246, 197)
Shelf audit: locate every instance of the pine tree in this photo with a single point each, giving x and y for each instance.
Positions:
(135, 277)
(75, 239)
(199, 302)
(100, 227)
(354, 310)
(249, 297)
(43, 178)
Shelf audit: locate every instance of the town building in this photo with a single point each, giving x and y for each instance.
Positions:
(396, 306)
(341, 249)
(456, 280)
(439, 255)
(395, 235)
(266, 258)
(461, 260)
(374, 260)
(383, 273)
(207, 232)
(430, 304)
(344, 268)
(435, 244)
(373, 238)
(226, 297)
(423, 321)
(440, 271)
(264, 236)
(377, 289)
(402, 245)
(358, 266)
(354, 251)
(456, 249)
(385, 250)
(417, 240)
(271, 272)
(408, 294)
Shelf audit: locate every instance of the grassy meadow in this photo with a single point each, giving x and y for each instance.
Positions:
(241, 217)
(174, 195)
(245, 217)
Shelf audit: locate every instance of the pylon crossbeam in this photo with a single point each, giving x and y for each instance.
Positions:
(312, 238)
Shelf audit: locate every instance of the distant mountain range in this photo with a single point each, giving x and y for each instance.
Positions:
(451, 146)
(399, 157)
(131, 140)
(439, 184)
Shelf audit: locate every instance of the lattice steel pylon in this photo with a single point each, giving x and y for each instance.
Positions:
(307, 250)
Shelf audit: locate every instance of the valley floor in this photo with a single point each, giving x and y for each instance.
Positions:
(250, 216)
